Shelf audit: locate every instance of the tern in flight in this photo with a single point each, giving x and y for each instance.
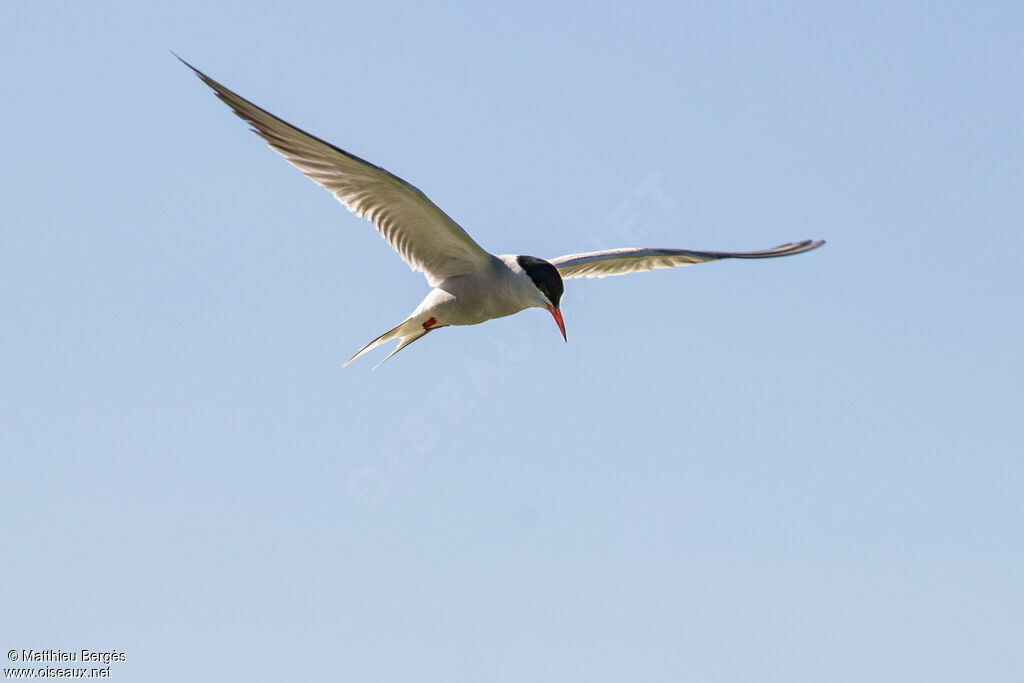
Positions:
(470, 285)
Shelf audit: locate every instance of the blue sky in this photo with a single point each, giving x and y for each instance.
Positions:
(801, 469)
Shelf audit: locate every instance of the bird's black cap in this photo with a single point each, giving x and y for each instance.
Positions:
(544, 275)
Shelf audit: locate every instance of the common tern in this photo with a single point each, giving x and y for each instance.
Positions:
(470, 285)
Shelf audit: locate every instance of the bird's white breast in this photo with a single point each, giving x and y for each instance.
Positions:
(499, 290)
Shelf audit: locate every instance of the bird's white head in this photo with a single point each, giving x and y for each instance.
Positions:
(549, 286)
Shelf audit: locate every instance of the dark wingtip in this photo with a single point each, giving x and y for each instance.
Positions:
(800, 247)
(180, 59)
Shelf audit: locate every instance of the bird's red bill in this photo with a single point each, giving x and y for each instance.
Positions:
(558, 319)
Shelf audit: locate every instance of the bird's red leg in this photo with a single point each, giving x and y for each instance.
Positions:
(431, 324)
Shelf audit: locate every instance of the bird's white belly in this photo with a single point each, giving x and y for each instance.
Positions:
(470, 300)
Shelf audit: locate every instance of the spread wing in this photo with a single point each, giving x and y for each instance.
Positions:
(622, 261)
(423, 235)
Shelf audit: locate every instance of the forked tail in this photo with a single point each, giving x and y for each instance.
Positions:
(408, 331)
